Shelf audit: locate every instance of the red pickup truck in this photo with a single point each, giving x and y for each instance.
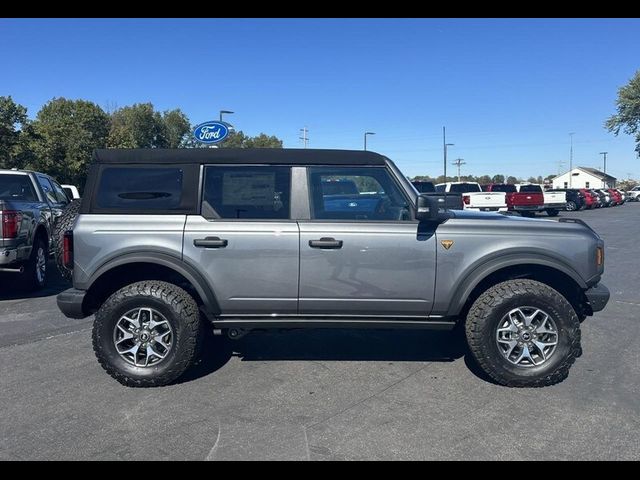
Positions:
(524, 200)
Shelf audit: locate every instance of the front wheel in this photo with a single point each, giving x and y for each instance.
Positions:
(571, 206)
(523, 333)
(147, 333)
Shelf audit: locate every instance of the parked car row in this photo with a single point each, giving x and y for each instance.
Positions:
(526, 199)
(589, 198)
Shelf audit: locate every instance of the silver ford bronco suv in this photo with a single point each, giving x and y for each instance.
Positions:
(169, 243)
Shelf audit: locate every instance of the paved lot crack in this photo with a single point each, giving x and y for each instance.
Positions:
(360, 402)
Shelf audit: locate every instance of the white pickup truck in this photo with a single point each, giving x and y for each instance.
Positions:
(554, 202)
(473, 198)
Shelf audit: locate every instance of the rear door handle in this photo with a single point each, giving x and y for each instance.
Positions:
(210, 242)
(326, 243)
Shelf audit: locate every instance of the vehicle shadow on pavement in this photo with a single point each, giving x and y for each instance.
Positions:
(333, 345)
(10, 288)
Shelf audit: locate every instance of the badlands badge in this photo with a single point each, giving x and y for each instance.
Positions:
(446, 244)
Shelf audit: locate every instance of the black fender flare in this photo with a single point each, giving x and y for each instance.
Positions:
(478, 273)
(198, 282)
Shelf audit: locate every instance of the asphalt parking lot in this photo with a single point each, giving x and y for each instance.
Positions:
(325, 394)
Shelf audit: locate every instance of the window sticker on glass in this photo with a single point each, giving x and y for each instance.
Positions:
(250, 188)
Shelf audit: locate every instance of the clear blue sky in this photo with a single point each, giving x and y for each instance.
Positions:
(509, 91)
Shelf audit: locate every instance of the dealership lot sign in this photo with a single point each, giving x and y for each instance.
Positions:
(211, 132)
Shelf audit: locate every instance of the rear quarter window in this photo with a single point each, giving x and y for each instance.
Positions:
(140, 189)
(17, 188)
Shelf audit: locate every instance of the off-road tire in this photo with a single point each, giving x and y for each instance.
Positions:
(29, 278)
(177, 306)
(482, 323)
(552, 212)
(63, 223)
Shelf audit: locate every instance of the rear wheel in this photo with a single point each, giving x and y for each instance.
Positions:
(523, 333)
(528, 214)
(34, 276)
(552, 212)
(571, 206)
(147, 333)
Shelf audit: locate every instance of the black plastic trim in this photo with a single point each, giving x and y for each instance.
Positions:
(70, 303)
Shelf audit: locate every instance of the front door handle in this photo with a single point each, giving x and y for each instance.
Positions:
(211, 242)
(326, 243)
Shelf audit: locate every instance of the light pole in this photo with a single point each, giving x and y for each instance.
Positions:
(571, 158)
(604, 154)
(365, 138)
(224, 111)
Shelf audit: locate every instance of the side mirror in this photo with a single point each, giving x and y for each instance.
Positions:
(428, 207)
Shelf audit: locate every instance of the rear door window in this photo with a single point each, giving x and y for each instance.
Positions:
(47, 188)
(247, 192)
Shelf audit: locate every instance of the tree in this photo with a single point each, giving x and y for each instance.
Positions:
(137, 126)
(263, 141)
(628, 105)
(238, 139)
(511, 179)
(484, 180)
(13, 118)
(63, 136)
(177, 127)
(497, 179)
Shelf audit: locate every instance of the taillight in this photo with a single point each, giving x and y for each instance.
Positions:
(466, 199)
(11, 221)
(67, 249)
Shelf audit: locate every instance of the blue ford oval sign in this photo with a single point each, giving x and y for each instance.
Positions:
(211, 132)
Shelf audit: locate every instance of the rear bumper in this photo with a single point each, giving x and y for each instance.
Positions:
(528, 208)
(70, 303)
(598, 297)
(8, 256)
(487, 209)
(554, 206)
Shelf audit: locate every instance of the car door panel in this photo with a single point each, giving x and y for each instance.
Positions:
(256, 272)
(385, 269)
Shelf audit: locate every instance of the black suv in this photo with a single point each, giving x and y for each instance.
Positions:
(575, 198)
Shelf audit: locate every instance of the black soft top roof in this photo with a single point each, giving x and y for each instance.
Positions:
(282, 156)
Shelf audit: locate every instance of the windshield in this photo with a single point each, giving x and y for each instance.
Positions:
(530, 189)
(17, 188)
(465, 187)
(503, 188)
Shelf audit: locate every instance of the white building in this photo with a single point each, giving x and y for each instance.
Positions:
(584, 177)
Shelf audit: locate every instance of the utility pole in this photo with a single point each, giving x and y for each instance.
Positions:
(571, 158)
(458, 163)
(445, 145)
(304, 137)
(604, 154)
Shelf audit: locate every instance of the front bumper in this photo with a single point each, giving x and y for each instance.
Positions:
(70, 303)
(597, 296)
